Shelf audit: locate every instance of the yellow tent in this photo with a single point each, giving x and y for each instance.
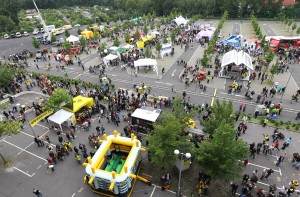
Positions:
(87, 34)
(80, 102)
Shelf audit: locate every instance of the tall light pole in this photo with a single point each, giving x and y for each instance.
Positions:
(182, 156)
(286, 85)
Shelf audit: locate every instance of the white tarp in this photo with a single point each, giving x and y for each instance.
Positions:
(166, 48)
(146, 113)
(60, 117)
(108, 58)
(180, 21)
(146, 62)
(204, 33)
(237, 58)
(72, 38)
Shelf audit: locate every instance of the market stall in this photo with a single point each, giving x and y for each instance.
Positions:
(72, 39)
(204, 34)
(60, 117)
(109, 58)
(146, 62)
(180, 21)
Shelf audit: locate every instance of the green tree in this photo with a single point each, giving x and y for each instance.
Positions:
(152, 25)
(35, 43)
(60, 96)
(127, 36)
(9, 128)
(82, 41)
(173, 36)
(116, 41)
(117, 28)
(269, 58)
(102, 48)
(158, 47)
(204, 61)
(298, 30)
(290, 22)
(6, 76)
(158, 24)
(79, 31)
(219, 157)
(148, 52)
(96, 35)
(145, 29)
(7, 24)
(166, 138)
(221, 111)
(52, 38)
(67, 45)
(125, 26)
(107, 32)
(274, 70)
(67, 33)
(137, 34)
(294, 27)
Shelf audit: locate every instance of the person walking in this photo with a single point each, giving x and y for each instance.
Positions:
(47, 139)
(280, 159)
(276, 145)
(76, 150)
(234, 187)
(102, 130)
(252, 153)
(60, 139)
(36, 140)
(263, 174)
(41, 141)
(245, 179)
(269, 172)
(37, 192)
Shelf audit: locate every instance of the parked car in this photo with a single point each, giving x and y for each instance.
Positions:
(6, 36)
(18, 35)
(77, 25)
(35, 32)
(25, 33)
(42, 30)
(12, 35)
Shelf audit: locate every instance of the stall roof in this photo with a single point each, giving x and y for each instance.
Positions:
(146, 113)
(80, 102)
(194, 131)
(237, 58)
(60, 116)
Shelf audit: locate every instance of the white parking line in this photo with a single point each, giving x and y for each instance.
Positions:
(42, 126)
(73, 195)
(153, 191)
(25, 150)
(24, 172)
(261, 166)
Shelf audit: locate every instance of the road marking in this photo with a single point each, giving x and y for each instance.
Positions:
(163, 83)
(280, 171)
(153, 191)
(173, 72)
(43, 126)
(73, 195)
(166, 190)
(25, 150)
(80, 74)
(261, 166)
(24, 172)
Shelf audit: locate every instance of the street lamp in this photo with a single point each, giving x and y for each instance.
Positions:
(182, 156)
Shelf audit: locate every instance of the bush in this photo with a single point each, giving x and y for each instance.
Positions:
(281, 122)
(287, 127)
(276, 123)
(288, 122)
(297, 127)
(261, 120)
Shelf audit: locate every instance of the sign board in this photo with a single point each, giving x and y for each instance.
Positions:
(39, 118)
(166, 48)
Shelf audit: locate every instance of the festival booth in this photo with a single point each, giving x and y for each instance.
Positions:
(141, 43)
(144, 117)
(146, 62)
(180, 21)
(87, 34)
(204, 34)
(166, 49)
(128, 46)
(62, 117)
(135, 20)
(236, 65)
(251, 44)
(107, 59)
(154, 34)
(72, 39)
(234, 40)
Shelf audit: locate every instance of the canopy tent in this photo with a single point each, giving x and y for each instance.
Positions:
(146, 113)
(234, 40)
(60, 117)
(181, 21)
(87, 34)
(237, 58)
(109, 58)
(72, 39)
(204, 33)
(154, 33)
(121, 50)
(80, 102)
(166, 48)
(146, 62)
(128, 46)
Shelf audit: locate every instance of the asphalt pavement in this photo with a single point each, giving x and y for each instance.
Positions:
(268, 30)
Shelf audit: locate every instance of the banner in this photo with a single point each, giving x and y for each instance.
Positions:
(39, 118)
(166, 48)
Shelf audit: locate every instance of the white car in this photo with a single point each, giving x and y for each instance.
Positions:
(18, 35)
(6, 36)
(77, 25)
(25, 33)
(35, 32)
(42, 30)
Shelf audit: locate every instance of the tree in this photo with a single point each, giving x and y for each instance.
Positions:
(107, 32)
(35, 43)
(116, 42)
(127, 36)
(173, 36)
(294, 27)
(137, 34)
(145, 29)
(96, 35)
(158, 47)
(53, 38)
(204, 61)
(7, 24)
(60, 96)
(125, 26)
(6, 76)
(102, 48)
(290, 22)
(82, 41)
(67, 33)
(10, 127)
(117, 28)
(219, 157)
(274, 70)
(298, 30)
(269, 58)
(166, 138)
(148, 52)
(67, 45)
(221, 111)
(158, 24)
(152, 25)
(79, 31)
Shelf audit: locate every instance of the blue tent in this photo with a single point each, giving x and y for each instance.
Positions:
(234, 40)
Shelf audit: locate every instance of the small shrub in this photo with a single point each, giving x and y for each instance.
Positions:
(287, 127)
(288, 122)
(281, 122)
(261, 120)
(297, 127)
(276, 123)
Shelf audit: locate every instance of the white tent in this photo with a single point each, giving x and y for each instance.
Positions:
(128, 46)
(60, 117)
(180, 21)
(108, 58)
(72, 38)
(237, 58)
(204, 33)
(146, 62)
(113, 48)
(154, 33)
